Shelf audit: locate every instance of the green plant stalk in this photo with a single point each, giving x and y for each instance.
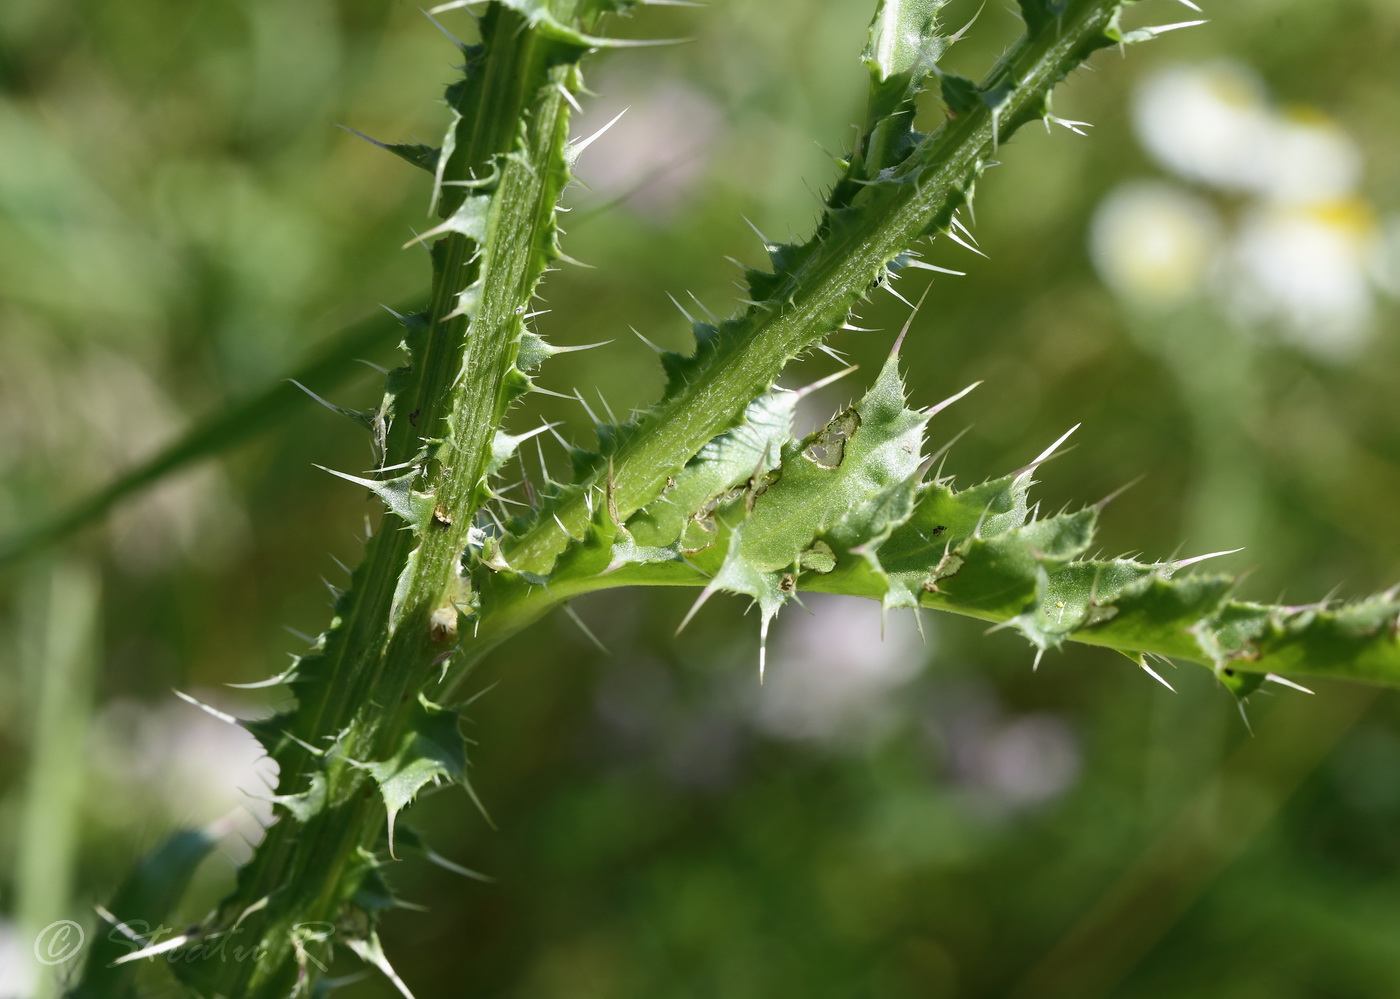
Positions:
(845, 510)
(61, 622)
(992, 560)
(1336, 651)
(358, 697)
(816, 298)
(314, 878)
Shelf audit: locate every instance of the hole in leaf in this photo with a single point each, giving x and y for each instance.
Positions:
(829, 447)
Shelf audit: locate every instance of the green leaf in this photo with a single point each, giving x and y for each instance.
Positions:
(887, 201)
(146, 898)
(843, 489)
(851, 482)
(420, 155)
(408, 504)
(980, 552)
(904, 38)
(1039, 14)
(685, 510)
(430, 751)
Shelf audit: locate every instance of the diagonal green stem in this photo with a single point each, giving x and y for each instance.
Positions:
(817, 297)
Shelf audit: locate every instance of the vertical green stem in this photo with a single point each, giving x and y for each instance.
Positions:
(60, 628)
(358, 695)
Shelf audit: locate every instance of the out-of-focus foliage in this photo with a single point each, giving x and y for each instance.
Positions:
(180, 223)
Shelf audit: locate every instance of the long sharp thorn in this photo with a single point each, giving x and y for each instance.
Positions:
(586, 408)
(1155, 675)
(573, 616)
(822, 383)
(914, 311)
(957, 36)
(438, 24)
(324, 402)
(612, 417)
(381, 145)
(921, 265)
(938, 407)
(1245, 718)
(522, 438)
(1099, 506)
(1287, 683)
(1077, 127)
(703, 307)
(568, 96)
(763, 648)
(1047, 454)
(544, 469)
(151, 951)
(544, 391)
(889, 287)
(705, 595)
(958, 224)
(688, 317)
(213, 712)
(577, 148)
(766, 241)
(1183, 563)
(659, 350)
(1162, 29)
(558, 437)
(941, 453)
(965, 244)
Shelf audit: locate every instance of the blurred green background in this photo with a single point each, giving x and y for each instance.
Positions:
(181, 224)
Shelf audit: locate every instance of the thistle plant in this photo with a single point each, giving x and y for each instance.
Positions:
(708, 488)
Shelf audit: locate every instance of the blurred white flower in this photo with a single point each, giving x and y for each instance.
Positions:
(1304, 256)
(1303, 269)
(185, 762)
(17, 978)
(1153, 242)
(831, 676)
(1307, 157)
(1207, 123)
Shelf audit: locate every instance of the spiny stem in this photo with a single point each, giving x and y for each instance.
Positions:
(359, 694)
(817, 296)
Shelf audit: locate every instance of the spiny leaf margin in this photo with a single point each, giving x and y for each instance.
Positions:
(875, 215)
